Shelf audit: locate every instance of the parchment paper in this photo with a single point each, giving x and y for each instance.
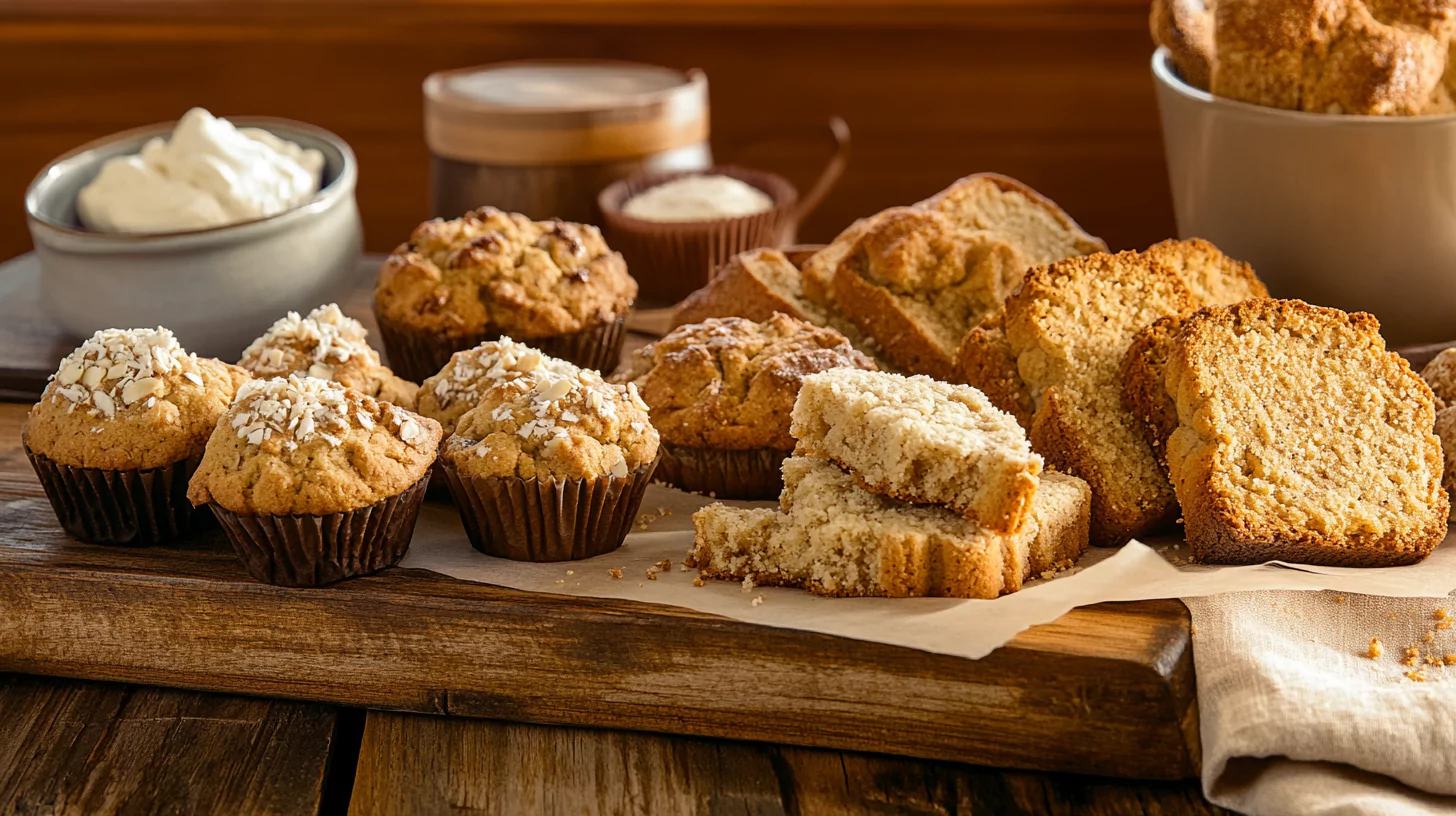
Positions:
(965, 628)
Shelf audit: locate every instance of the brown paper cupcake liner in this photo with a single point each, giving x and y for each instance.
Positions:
(671, 259)
(309, 551)
(532, 520)
(418, 355)
(135, 508)
(439, 488)
(725, 474)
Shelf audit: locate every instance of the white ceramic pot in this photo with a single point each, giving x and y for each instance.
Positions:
(1356, 212)
(217, 288)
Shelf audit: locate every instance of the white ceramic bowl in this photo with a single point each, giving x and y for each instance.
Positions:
(216, 288)
(1357, 212)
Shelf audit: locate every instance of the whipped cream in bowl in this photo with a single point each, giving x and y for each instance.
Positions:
(207, 173)
(210, 227)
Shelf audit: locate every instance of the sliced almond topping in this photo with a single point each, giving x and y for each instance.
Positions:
(93, 376)
(137, 390)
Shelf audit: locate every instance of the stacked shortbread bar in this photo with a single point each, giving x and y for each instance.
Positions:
(899, 487)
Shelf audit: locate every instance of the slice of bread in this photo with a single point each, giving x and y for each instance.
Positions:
(1040, 230)
(922, 441)
(1215, 280)
(915, 283)
(1300, 438)
(835, 538)
(754, 285)
(1070, 325)
(986, 361)
(819, 268)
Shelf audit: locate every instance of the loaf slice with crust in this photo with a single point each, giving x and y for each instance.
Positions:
(1069, 325)
(1215, 280)
(1041, 231)
(754, 285)
(819, 268)
(833, 537)
(1440, 375)
(922, 441)
(915, 284)
(1301, 438)
(985, 360)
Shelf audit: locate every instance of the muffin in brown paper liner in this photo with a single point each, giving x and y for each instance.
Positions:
(671, 259)
(723, 474)
(135, 508)
(310, 551)
(557, 520)
(418, 355)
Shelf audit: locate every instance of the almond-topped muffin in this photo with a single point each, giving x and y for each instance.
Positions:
(119, 429)
(488, 274)
(329, 345)
(446, 396)
(551, 467)
(721, 393)
(315, 482)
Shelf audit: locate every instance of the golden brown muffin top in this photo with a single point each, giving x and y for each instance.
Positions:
(730, 383)
(491, 270)
(457, 388)
(329, 345)
(546, 425)
(307, 446)
(130, 399)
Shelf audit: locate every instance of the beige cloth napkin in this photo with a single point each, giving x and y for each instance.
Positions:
(1297, 718)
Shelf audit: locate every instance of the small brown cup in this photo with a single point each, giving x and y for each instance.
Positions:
(670, 259)
(418, 355)
(532, 520)
(135, 508)
(311, 551)
(724, 474)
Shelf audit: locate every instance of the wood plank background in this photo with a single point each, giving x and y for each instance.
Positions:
(1055, 92)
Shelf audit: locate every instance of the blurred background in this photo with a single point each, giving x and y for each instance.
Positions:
(1054, 92)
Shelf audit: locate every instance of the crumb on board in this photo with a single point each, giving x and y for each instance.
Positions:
(1419, 675)
(651, 574)
(640, 585)
(571, 572)
(1339, 599)
(560, 580)
(665, 565)
(748, 582)
(758, 599)
(698, 581)
(615, 572)
(1450, 659)
(1376, 649)
(1411, 655)
(1442, 614)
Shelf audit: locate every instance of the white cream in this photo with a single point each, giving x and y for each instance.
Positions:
(698, 198)
(208, 174)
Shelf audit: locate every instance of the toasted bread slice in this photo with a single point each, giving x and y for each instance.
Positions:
(1040, 230)
(835, 538)
(1301, 438)
(921, 441)
(1070, 325)
(915, 284)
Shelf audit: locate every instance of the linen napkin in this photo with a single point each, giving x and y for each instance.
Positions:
(1326, 703)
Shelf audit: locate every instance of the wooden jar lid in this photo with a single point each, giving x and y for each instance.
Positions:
(569, 112)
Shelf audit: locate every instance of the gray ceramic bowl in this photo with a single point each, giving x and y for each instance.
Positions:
(1356, 212)
(217, 288)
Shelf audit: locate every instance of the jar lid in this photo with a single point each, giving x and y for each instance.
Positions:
(569, 112)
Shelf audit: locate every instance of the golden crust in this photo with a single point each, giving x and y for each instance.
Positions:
(1301, 438)
(494, 271)
(1040, 230)
(820, 267)
(731, 383)
(1185, 28)
(985, 360)
(1381, 58)
(1143, 391)
(1214, 278)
